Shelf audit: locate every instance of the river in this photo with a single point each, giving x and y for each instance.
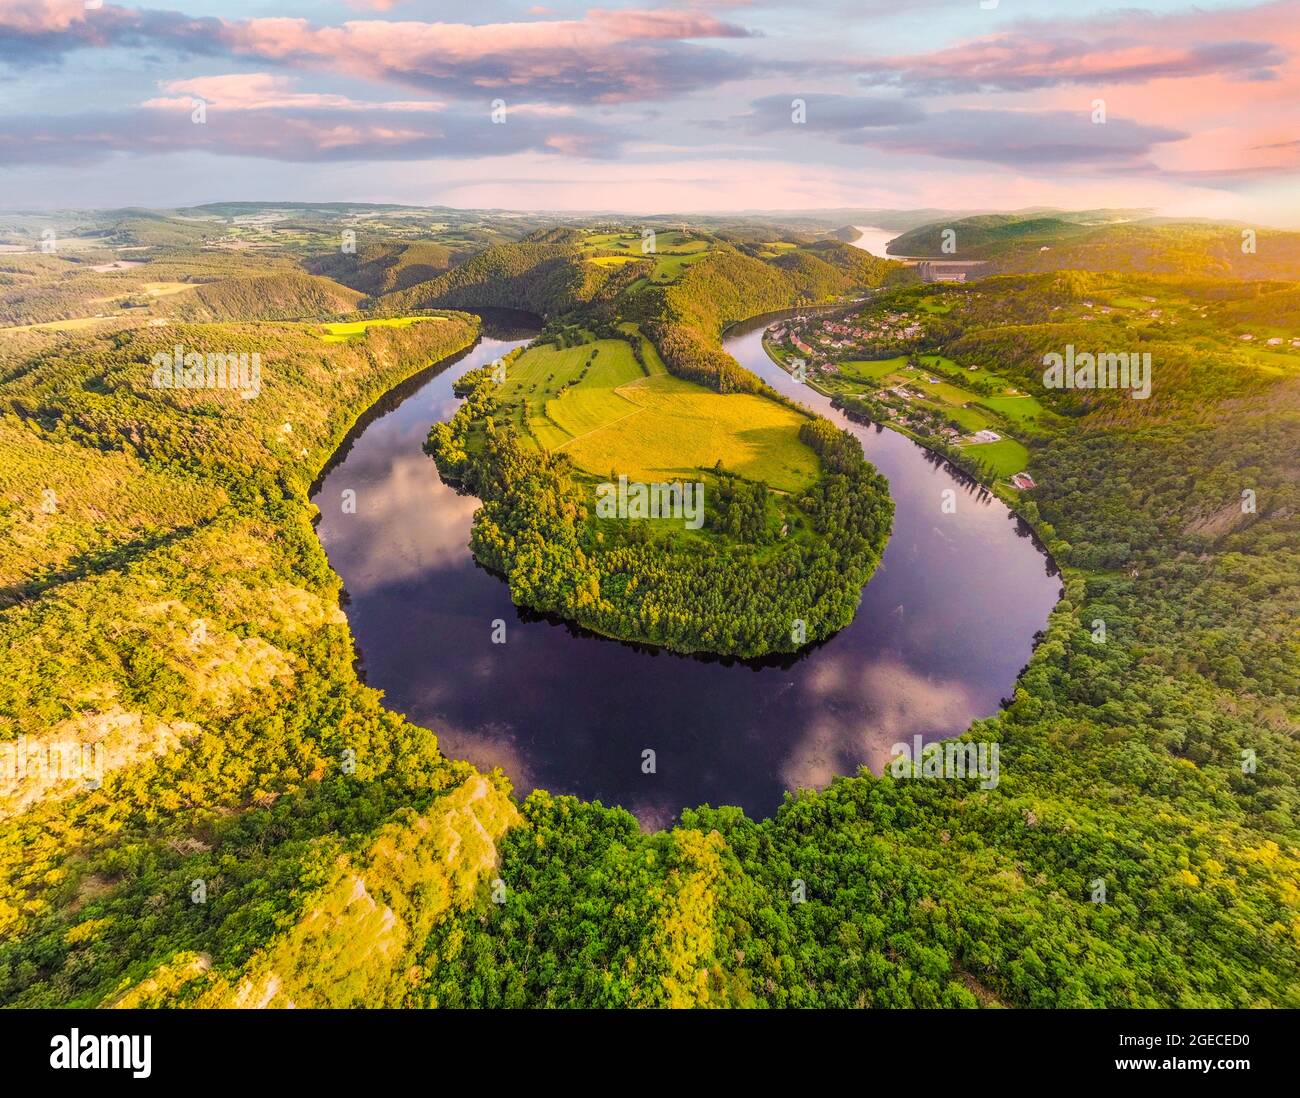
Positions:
(875, 240)
(944, 627)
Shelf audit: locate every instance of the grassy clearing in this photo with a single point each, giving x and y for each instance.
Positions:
(1005, 457)
(970, 419)
(668, 267)
(943, 391)
(651, 428)
(166, 289)
(872, 371)
(76, 324)
(1014, 409)
(931, 305)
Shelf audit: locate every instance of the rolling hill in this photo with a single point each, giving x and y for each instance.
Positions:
(285, 296)
(385, 268)
(1032, 243)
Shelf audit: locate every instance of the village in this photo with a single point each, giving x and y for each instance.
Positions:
(817, 339)
(872, 366)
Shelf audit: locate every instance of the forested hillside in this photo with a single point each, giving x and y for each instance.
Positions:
(172, 609)
(384, 268)
(540, 278)
(286, 296)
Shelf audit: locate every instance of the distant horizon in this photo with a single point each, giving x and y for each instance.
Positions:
(578, 212)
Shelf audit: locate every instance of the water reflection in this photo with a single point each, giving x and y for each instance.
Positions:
(944, 627)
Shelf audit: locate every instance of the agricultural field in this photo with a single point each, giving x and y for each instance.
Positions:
(674, 251)
(595, 403)
(350, 329)
(1009, 409)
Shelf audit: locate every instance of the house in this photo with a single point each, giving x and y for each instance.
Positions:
(1023, 481)
(986, 436)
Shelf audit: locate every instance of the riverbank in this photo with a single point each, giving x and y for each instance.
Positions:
(999, 486)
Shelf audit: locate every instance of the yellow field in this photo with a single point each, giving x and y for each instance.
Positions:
(651, 428)
(615, 260)
(337, 333)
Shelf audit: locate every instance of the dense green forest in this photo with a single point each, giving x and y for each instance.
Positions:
(280, 296)
(268, 833)
(383, 268)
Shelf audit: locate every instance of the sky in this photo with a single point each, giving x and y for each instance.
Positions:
(695, 106)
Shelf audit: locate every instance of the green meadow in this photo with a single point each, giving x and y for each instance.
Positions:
(610, 415)
(1005, 457)
(872, 371)
(1019, 409)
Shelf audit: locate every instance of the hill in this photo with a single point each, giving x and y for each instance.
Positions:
(384, 268)
(285, 296)
(1020, 243)
(540, 278)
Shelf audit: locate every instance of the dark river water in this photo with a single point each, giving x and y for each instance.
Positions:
(945, 625)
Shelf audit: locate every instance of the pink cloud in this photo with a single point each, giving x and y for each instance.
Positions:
(1130, 48)
(1227, 80)
(608, 56)
(265, 91)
